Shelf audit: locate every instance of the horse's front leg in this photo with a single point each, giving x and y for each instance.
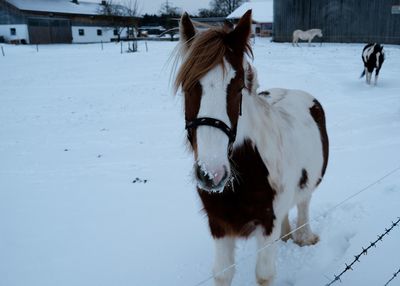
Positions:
(376, 75)
(369, 76)
(265, 268)
(224, 261)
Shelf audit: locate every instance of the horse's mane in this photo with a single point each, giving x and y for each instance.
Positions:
(206, 51)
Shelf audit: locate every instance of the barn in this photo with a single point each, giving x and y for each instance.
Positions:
(60, 21)
(346, 21)
(262, 13)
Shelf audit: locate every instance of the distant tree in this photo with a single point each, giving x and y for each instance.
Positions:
(117, 13)
(170, 15)
(151, 20)
(170, 10)
(207, 13)
(225, 7)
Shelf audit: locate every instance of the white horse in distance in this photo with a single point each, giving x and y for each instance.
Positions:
(305, 35)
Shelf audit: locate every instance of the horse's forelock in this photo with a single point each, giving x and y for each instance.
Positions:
(207, 50)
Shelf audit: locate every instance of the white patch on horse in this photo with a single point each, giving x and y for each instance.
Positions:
(377, 59)
(367, 53)
(224, 257)
(212, 142)
(265, 266)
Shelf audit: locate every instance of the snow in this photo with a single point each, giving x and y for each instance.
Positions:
(58, 6)
(262, 11)
(95, 178)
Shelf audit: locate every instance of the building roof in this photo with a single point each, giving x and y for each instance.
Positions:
(161, 28)
(210, 19)
(58, 6)
(262, 11)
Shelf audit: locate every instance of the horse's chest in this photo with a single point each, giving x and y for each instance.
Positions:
(247, 202)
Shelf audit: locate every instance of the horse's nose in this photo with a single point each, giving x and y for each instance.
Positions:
(211, 179)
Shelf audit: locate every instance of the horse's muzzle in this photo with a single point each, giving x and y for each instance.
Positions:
(211, 181)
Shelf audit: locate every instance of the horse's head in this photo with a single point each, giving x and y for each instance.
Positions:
(319, 34)
(212, 76)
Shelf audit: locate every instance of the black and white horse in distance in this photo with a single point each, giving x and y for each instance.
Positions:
(373, 57)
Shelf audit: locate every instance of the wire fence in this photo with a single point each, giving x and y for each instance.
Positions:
(377, 181)
(393, 277)
(364, 252)
(122, 47)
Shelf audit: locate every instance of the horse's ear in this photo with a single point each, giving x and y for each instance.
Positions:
(228, 26)
(239, 37)
(186, 30)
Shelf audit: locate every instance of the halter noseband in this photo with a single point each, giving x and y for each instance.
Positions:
(207, 121)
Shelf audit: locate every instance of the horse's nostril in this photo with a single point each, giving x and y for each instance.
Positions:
(203, 176)
(211, 180)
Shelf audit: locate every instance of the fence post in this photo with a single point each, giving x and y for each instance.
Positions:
(121, 47)
(145, 42)
(37, 47)
(101, 44)
(134, 46)
(2, 51)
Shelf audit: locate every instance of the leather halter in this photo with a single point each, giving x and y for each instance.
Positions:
(212, 122)
(207, 121)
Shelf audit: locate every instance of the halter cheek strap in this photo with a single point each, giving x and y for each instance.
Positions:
(207, 121)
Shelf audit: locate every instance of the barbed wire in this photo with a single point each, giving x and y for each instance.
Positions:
(393, 277)
(364, 252)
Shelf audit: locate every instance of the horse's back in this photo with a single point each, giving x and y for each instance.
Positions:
(302, 121)
(290, 98)
(297, 104)
(315, 31)
(296, 33)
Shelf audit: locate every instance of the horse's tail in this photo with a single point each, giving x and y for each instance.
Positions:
(363, 73)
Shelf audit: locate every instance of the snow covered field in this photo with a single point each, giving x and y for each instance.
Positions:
(95, 181)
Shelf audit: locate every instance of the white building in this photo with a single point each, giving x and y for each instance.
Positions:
(60, 21)
(262, 13)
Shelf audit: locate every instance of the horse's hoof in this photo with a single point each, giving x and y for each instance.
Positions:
(286, 238)
(264, 282)
(310, 240)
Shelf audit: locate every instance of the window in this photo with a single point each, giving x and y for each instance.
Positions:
(81, 32)
(115, 32)
(99, 32)
(266, 26)
(13, 31)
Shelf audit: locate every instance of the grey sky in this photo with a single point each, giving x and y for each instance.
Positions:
(153, 6)
(191, 6)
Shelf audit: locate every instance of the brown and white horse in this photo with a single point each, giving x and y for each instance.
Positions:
(256, 155)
